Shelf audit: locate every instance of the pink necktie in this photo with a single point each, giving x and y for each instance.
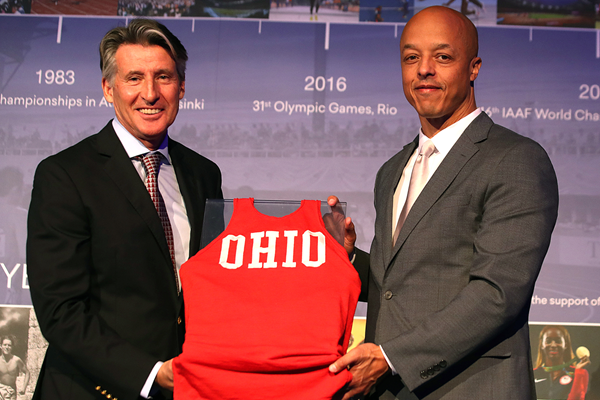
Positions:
(418, 179)
(151, 162)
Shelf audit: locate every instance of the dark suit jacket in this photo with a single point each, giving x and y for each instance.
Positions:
(449, 303)
(100, 273)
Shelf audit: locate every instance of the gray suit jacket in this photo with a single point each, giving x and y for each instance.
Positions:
(449, 302)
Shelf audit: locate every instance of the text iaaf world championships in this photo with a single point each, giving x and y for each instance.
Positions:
(546, 113)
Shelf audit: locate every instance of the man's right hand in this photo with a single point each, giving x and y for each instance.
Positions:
(350, 232)
(164, 378)
(367, 364)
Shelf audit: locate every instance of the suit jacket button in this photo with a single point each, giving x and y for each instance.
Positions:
(388, 295)
(430, 371)
(443, 364)
(424, 374)
(437, 367)
(178, 320)
(98, 388)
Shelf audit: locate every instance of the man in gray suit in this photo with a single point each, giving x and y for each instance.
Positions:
(450, 279)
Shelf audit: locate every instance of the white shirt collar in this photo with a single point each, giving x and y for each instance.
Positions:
(133, 146)
(445, 139)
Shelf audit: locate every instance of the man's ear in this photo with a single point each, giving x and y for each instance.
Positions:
(475, 65)
(107, 90)
(182, 90)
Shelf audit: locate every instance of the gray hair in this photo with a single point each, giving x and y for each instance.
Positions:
(145, 32)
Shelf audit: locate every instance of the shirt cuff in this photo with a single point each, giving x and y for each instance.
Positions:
(388, 361)
(145, 393)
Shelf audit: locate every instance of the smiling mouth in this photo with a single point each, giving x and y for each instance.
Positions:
(427, 87)
(149, 111)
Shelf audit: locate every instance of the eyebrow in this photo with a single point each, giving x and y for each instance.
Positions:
(437, 47)
(133, 73)
(165, 71)
(159, 72)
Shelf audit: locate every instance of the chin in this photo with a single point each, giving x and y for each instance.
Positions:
(154, 131)
(430, 115)
(427, 111)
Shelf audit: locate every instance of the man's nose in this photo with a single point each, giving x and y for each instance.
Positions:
(426, 68)
(150, 92)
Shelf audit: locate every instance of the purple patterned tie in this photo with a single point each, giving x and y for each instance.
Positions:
(151, 162)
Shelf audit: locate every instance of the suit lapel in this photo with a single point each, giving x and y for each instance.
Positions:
(387, 197)
(188, 186)
(120, 169)
(462, 151)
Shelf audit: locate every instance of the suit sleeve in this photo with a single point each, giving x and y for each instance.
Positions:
(61, 276)
(362, 266)
(517, 215)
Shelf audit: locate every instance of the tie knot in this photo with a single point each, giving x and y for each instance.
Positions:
(151, 162)
(427, 149)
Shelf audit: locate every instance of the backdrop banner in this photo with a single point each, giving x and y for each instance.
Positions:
(293, 111)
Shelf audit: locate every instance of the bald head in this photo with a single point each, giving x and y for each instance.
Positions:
(463, 28)
(439, 65)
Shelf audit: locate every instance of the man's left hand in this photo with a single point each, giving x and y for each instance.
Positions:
(164, 378)
(367, 364)
(349, 230)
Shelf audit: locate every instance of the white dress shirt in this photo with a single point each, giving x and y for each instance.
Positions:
(167, 185)
(169, 190)
(444, 140)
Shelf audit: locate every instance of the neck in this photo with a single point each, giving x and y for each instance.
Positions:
(153, 145)
(433, 125)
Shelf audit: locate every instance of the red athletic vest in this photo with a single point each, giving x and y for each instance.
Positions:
(268, 306)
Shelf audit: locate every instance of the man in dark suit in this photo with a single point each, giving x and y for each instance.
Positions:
(102, 261)
(452, 273)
